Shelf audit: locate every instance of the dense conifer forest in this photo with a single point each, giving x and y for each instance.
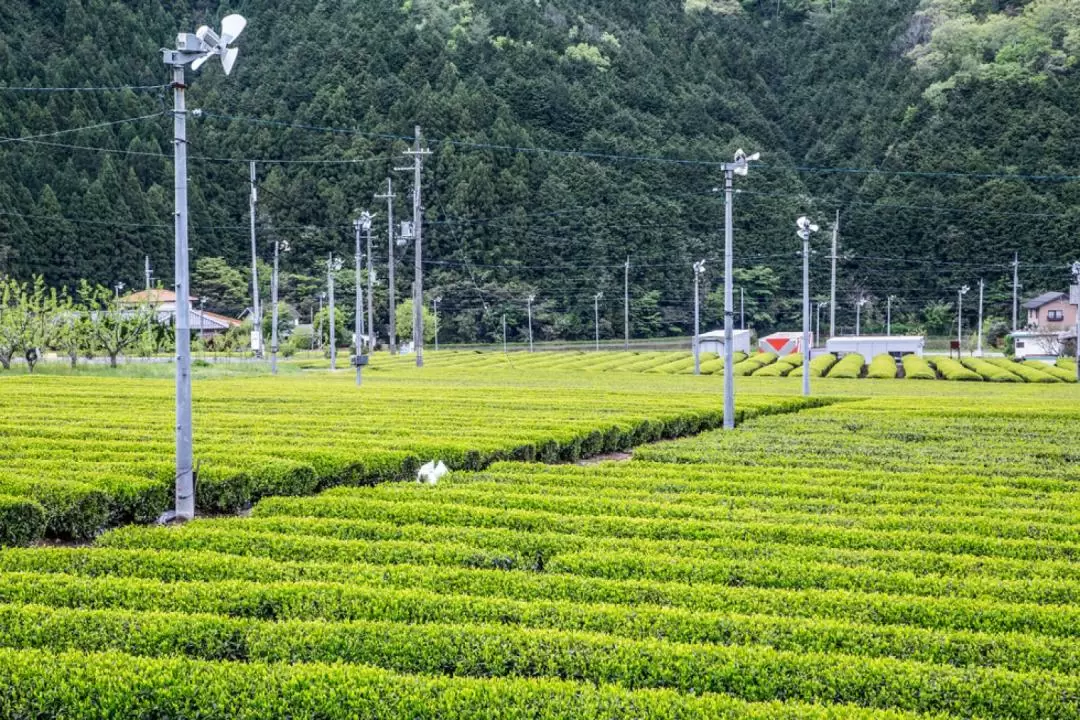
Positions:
(567, 136)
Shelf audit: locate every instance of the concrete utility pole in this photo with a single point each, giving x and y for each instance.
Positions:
(390, 290)
(146, 273)
(978, 345)
(1074, 291)
(888, 315)
(504, 332)
(330, 288)
(960, 316)
(1016, 290)
(418, 154)
(370, 289)
(528, 306)
(190, 48)
(742, 309)
(435, 311)
(363, 224)
(596, 316)
(739, 167)
(805, 229)
(274, 310)
(256, 310)
(817, 320)
(832, 280)
(626, 304)
(699, 269)
(858, 315)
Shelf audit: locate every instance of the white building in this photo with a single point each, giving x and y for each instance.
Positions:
(163, 303)
(713, 342)
(872, 345)
(1044, 345)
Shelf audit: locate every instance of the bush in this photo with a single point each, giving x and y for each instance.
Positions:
(916, 368)
(818, 366)
(1026, 372)
(882, 367)
(22, 520)
(952, 370)
(1058, 372)
(849, 366)
(990, 372)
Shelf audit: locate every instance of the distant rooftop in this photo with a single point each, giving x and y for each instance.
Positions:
(153, 295)
(1044, 299)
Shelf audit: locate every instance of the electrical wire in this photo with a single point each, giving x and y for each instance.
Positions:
(95, 126)
(119, 88)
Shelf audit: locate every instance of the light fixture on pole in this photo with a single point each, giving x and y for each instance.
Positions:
(191, 49)
(978, 330)
(528, 305)
(804, 229)
(435, 310)
(362, 224)
(817, 326)
(596, 316)
(699, 270)
(279, 246)
(118, 287)
(960, 317)
(332, 266)
(1074, 299)
(858, 315)
(888, 315)
(740, 167)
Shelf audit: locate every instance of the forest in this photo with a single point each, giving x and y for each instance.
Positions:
(568, 138)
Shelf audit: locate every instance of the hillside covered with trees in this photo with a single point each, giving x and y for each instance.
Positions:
(567, 136)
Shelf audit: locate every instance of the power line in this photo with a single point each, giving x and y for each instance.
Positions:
(96, 126)
(117, 88)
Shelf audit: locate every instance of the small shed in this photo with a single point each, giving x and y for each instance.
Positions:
(1028, 345)
(713, 342)
(872, 345)
(783, 344)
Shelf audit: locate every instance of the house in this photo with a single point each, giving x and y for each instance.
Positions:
(163, 302)
(870, 346)
(1050, 310)
(713, 342)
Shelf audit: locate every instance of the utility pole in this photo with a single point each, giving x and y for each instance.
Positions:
(189, 49)
(960, 317)
(361, 224)
(832, 281)
(146, 272)
(739, 167)
(1016, 290)
(528, 305)
(390, 290)
(504, 332)
(417, 154)
(626, 304)
(435, 311)
(330, 287)
(256, 312)
(370, 289)
(742, 309)
(596, 316)
(1074, 291)
(817, 320)
(858, 315)
(978, 345)
(274, 311)
(888, 315)
(699, 268)
(805, 229)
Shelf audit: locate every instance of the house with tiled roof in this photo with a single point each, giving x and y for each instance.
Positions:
(1051, 310)
(207, 324)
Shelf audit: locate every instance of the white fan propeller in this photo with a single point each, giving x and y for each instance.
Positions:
(231, 27)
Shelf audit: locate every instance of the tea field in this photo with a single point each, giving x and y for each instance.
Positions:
(901, 550)
(80, 453)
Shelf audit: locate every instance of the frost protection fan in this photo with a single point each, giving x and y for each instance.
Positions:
(231, 27)
(430, 473)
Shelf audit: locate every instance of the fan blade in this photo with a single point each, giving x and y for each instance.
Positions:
(207, 35)
(200, 60)
(228, 59)
(231, 27)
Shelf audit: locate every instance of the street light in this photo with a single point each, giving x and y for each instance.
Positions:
(858, 315)
(435, 308)
(596, 316)
(362, 224)
(817, 331)
(739, 167)
(960, 317)
(191, 49)
(699, 270)
(805, 229)
(279, 247)
(528, 306)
